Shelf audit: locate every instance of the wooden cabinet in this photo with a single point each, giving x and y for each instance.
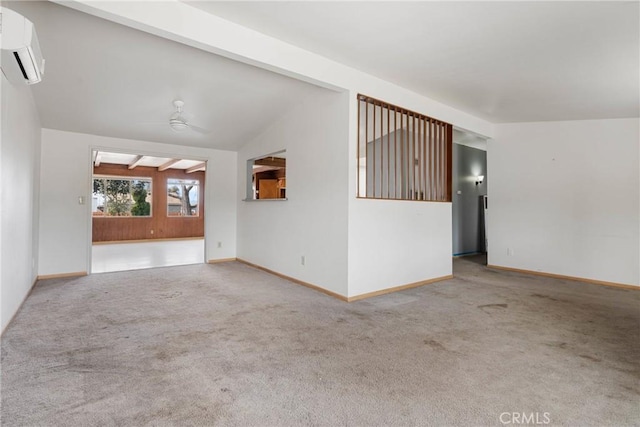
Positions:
(272, 188)
(282, 188)
(268, 189)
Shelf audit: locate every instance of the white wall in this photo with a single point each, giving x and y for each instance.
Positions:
(394, 243)
(66, 175)
(214, 34)
(20, 157)
(564, 197)
(313, 221)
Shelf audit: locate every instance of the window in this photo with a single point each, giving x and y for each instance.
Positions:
(121, 196)
(267, 177)
(183, 197)
(402, 155)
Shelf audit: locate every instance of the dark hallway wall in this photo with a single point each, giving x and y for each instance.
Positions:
(468, 232)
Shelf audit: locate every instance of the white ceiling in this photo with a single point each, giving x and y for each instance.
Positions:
(502, 61)
(149, 161)
(469, 139)
(107, 79)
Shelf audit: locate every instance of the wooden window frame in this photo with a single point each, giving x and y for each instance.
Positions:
(180, 182)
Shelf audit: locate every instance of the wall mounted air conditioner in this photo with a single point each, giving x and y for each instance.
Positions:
(21, 58)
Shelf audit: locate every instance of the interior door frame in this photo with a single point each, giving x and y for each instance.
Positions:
(89, 194)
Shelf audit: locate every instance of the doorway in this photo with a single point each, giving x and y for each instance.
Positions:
(469, 199)
(146, 211)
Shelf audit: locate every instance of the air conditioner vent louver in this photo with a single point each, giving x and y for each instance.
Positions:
(24, 73)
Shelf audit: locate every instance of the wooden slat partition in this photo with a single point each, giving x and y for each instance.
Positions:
(402, 155)
(388, 153)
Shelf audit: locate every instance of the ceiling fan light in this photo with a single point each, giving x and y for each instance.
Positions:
(178, 124)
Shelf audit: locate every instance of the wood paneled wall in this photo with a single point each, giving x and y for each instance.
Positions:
(159, 225)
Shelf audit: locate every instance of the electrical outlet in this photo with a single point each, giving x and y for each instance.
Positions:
(219, 244)
(509, 252)
(302, 260)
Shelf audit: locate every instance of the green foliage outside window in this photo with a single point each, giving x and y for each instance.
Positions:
(140, 207)
(121, 197)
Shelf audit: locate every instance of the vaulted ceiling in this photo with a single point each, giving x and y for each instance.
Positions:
(501, 61)
(107, 79)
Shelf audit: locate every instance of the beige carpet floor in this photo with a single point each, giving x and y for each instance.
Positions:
(231, 345)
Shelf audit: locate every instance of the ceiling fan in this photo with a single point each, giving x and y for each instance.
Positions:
(179, 123)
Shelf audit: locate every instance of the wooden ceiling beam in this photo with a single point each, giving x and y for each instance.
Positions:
(135, 162)
(260, 169)
(167, 165)
(198, 167)
(271, 161)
